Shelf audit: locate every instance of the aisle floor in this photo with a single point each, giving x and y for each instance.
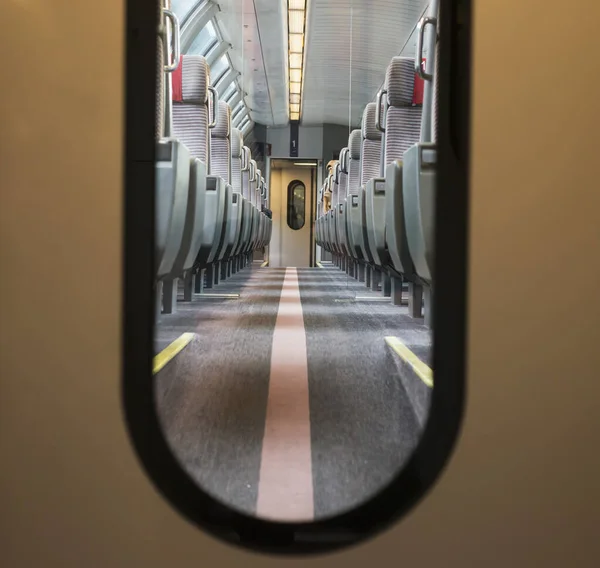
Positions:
(287, 403)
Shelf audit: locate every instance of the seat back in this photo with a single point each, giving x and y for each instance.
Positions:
(267, 200)
(246, 172)
(190, 105)
(257, 190)
(370, 163)
(354, 153)
(404, 108)
(252, 182)
(343, 176)
(327, 194)
(320, 202)
(220, 143)
(263, 192)
(335, 184)
(237, 158)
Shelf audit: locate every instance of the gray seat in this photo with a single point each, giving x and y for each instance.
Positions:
(248, 174)
(255, 189)
(262, 199)
(172, 184)
(269, 225)
(214, 206)
(253, 183)
(221, 166)
(258, 189)
(172, 173)
(370, 164)
(419, 180)
(402, 124)
(351, 210)
(374, 196)
(318, 216)
(341, 203)
(325, 217)
(190, 125)
(318, 238)
(240, 159)
(235, 204)
(332, 217)
(324, 228)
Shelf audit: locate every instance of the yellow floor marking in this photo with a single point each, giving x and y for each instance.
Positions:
(422, 370)
(209, 295)
(169, 352)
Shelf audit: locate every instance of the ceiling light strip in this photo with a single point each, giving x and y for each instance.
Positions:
(296, 43)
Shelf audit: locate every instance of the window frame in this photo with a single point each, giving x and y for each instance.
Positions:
(205, 10)
(292, 186)
(449, 349)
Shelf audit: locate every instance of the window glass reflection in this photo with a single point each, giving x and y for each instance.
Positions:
(296, 205)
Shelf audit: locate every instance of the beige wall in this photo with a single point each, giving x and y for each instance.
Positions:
(521, 489)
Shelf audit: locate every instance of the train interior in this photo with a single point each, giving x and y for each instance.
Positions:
(295, 192)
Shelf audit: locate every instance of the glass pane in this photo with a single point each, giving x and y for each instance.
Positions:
(183, 7)
(296, 210)
(246, 127)
(230, 92)
(204, 41)
(237, 108)
(218, 69)
(238, 119)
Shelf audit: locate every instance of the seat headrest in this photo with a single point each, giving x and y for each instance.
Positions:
(369, 130)
(246, 150)
(354, 144)
(223, 127)
(404, 86)
(344, 160)
(190, 80)
(336, 172)
(237, 143)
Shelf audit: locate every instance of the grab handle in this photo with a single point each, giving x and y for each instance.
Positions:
(170, 67)
(423, 23)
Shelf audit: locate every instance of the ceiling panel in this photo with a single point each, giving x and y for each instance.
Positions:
(348, 51)
(381, 29)
(254, 28)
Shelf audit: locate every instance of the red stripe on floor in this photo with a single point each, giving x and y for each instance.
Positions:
(285, 490)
